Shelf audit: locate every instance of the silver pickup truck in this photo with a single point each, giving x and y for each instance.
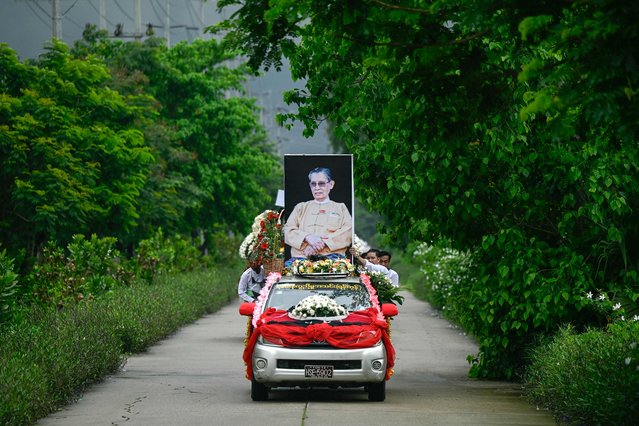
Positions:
(290, 344)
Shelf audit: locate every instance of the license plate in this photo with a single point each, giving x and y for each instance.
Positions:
(323, 371)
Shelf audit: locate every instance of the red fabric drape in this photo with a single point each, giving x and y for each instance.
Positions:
(360, 329)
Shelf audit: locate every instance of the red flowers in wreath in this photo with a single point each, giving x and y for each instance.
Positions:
(270, 238)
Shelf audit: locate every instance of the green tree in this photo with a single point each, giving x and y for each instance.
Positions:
(217, 166)
(500, 126)
(71, 158)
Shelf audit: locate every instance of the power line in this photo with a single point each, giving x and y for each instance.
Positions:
(193, 12)
(40, 17)
(157, 15)
(123, 11)
(101, 15)
(70, 7)
(74, 23)
(163, 10)
(41, 8)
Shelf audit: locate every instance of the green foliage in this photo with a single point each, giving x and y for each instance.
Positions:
(217, 166)
(447, 275)
(386, 291)
(50, 357)
(70, 157)
(508, 130)
(169, 142)
(223, 246)
(589, 378)
(8, 288)
(92, 268)
(146, 314)
(160, 255)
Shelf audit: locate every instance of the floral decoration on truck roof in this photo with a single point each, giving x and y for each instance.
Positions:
(324, 266)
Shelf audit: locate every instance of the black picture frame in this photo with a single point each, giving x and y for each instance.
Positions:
(296, 184)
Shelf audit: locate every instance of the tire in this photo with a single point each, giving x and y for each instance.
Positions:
(259, 391)
(377, 391)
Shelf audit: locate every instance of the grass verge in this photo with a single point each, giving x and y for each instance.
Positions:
(47, 360)
(589, 378)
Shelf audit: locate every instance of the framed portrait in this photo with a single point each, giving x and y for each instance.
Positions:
(318, 204)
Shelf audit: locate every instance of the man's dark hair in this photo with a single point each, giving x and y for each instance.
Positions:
(325, 170)
(316, 257)
(384, 253)
(374, 250)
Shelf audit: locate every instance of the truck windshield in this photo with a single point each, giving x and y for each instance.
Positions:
(353, 296)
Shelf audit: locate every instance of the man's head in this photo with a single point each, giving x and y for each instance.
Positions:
(384, 258)
(320, 179)
(372, 256)
(256, 266)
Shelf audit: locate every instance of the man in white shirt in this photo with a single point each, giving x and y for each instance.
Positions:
(251, 283)
(369, 260)
(384, 260)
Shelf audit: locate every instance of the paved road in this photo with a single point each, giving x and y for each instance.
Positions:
(196, 377)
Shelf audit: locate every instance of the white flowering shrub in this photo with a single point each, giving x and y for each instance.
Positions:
(445, 271)
(612, 308)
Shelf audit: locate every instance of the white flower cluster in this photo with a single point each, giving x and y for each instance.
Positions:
(360, 245)
(318, 306)
(247, 246)
(378, 278)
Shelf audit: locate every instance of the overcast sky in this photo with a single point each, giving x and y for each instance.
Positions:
(26, 25)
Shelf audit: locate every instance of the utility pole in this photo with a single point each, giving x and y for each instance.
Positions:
(56, 16)
(138, 20)
(103, 15)
(167, 24)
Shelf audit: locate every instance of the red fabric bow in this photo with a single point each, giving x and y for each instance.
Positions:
(318, 332)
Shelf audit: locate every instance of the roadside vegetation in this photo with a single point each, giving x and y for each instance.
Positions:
(507, 130)
(52, 354)
(584, 377)
(126, 172)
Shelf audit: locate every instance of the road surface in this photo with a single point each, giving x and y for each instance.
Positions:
(196, 377)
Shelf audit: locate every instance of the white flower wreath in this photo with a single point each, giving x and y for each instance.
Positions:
(318, 306)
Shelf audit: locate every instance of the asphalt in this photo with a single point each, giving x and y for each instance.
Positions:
(196, 377)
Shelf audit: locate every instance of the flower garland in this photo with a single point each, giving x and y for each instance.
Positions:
(270, 238)
(316, 306)
(371, 290)
(272, 278)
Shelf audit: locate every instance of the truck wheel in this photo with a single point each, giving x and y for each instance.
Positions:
(377, 391)
(259, 391)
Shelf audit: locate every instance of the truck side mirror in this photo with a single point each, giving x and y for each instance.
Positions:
(389, 310)
(247, 308)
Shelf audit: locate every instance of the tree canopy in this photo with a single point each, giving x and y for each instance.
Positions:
(508, 128)
(120, 139)
(71, 160)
